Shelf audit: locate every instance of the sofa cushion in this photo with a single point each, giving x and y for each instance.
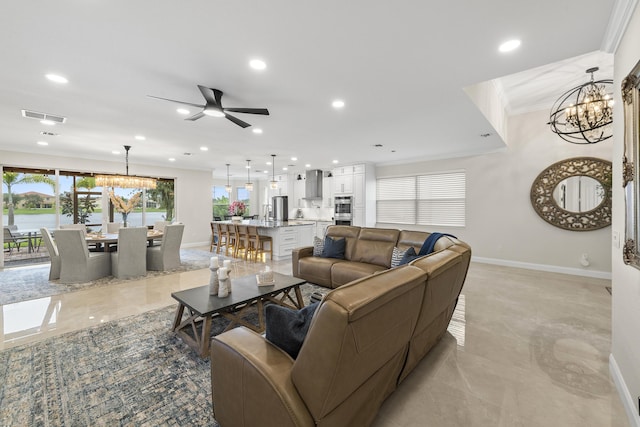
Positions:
(396, 256)
(346, 272)
(350, 233)
(318, 246)
(287, 328)
(411, 238)
(317, 270)
(334, 247)
(409, 255)
(430, 243)
(375, 246)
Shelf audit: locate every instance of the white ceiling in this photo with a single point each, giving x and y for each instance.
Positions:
(400, 67)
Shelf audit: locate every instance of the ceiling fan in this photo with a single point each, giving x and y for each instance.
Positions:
(214, 108)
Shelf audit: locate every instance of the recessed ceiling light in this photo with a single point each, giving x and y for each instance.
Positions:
(335, 162)
(183, 111)
(43, 143)
(115, 152)
(171, 159)
(268, 163)
(266, 171)
(510, 45)
(48, 122)
(257, 64)
(338, 103)
(293, 159)
(204, 148)
(307, 165)
(257, 130)
(285, 168)
(140, 137)
(56, 78)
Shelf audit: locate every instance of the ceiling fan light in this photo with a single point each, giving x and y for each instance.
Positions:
(213, 113)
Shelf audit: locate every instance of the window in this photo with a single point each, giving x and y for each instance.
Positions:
(220, 202)
(244, 196)
(433, 199)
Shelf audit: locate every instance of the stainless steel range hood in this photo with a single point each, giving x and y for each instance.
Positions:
(313, 185)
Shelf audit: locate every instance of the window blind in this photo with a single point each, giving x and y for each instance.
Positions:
(434, 199)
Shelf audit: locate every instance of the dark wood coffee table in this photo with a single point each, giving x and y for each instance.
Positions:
(195, 329)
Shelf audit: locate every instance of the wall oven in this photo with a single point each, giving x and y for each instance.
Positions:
(342, 210)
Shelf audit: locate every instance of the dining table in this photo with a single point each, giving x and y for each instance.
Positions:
(103, 240)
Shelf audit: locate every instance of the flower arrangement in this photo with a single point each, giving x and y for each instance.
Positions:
(237, 208)
(124, 207)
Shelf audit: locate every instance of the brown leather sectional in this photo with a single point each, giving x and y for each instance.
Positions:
(365, 338)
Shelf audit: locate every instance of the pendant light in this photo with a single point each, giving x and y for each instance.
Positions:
(125, 181)
(249, 185)
(274, 183)
(228, 186)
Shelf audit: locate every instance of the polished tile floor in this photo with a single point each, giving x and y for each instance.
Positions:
(526, 348)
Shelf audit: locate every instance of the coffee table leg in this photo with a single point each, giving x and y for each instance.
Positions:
(260, 308)
(205, 340)
(178, 319)
(299, 297)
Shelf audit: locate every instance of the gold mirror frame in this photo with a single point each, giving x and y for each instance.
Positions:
(631, 101)
(548, 209)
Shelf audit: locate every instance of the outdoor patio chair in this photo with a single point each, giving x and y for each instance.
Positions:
(13, 240)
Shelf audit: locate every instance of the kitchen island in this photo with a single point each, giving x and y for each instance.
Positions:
(285, 235)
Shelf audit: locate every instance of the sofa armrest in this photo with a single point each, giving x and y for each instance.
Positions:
(251, 382)
(297, 254)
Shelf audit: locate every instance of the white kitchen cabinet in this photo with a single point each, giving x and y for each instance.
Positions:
(343, 180)
(321, 228)
(286, 239)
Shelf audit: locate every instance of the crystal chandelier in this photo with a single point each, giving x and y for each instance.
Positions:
(273, 184)
(249, 185)
(227, 187)
(125, 181)
(584, 114)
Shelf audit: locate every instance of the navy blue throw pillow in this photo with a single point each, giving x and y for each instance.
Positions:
(287, 328)
(334, 248)
(409, 256)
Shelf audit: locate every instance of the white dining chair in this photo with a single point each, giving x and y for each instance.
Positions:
(130, 260)
(82, 227)
(52, 248)
(77, 264)
(167, 255)
(160, 225)
(113, 227)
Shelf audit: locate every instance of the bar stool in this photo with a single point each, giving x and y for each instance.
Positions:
(256, 243)
(242, 242)
(224, 238)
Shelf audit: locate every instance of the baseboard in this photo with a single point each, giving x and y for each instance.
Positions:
(627, 401)
(544, 267)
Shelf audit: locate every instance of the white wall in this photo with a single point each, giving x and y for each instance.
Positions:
(502, 226)
(625, 351)
(192, 187)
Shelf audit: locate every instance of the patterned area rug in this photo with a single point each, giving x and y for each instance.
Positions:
(129, 372)
(23, 284)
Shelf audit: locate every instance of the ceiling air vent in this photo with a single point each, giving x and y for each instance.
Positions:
(43, 116)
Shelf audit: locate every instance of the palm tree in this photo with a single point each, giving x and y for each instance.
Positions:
(11, 179)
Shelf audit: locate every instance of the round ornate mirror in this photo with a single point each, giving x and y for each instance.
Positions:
(574, 194)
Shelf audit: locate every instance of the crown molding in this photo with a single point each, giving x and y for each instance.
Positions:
(618, 22)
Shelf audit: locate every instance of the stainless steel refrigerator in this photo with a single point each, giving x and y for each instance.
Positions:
(280, 208)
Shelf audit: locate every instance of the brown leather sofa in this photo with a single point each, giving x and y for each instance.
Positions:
(368, 250)
(365, 338)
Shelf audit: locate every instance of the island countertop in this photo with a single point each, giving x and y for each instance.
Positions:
(268, 224)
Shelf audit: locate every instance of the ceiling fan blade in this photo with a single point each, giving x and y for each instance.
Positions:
(208, 95)
(195, 116)
(262, 111)
(237, 121)
(178, 102)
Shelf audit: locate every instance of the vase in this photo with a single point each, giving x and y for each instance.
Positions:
(124, 219)
(236, 218)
